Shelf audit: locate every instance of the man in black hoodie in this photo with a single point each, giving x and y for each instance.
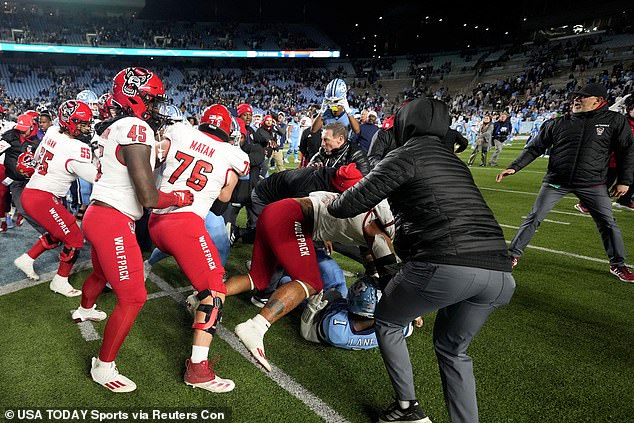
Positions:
(453, 251)
(580, 144)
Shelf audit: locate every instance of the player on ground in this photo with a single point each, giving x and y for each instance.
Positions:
(60, 158)
(285, 233)
(124, 185)
(206, 162)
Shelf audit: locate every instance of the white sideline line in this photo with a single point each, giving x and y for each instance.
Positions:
(566, 253)
(534, 194)
(501, 168)
(44, 277)
(508, 226)
(286, 382)
(552, 221)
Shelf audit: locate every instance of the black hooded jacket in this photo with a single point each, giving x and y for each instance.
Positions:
(440, 214)
(581, 144)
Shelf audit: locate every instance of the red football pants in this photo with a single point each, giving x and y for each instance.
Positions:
(48, 210)
(281, 239)
(116, 258)
(184, 236)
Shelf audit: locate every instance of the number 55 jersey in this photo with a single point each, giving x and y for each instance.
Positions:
(201, 163)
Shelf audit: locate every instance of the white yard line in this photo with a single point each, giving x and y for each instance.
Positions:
(559, 222)
(568, 254)
(286, 382)
(88, 331)
(533, 194)
(508, 226)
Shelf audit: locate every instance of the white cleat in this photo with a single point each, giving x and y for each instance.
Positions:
(252, 339)
(92, 314)
(25, 264)
(60, 285)
(147, 268)
(107, 374)
(201, 375)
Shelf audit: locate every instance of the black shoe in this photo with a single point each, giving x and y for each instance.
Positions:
(413, 414)
(260, 298)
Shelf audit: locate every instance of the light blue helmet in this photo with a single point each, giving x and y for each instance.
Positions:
(336, 90)
(363, 296)
(174, 113)
(88, 97)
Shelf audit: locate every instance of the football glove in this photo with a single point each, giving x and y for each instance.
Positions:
(344, 103)
(310, 322)
(324, 106)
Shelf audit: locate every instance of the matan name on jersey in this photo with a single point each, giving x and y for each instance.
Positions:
(122, 260)
(301, 240)
(202, 148)
(208, 256)
(60, 222)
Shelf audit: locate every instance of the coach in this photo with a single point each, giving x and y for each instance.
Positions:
(454, 254)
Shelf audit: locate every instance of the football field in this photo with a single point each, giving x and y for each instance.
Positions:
(561, 351)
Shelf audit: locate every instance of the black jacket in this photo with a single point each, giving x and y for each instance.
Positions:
(502, 130)
(295, 183)
(309, 143)
(382, 143)
(454, 140)
(19, 152)
(440, 215)
(346, 154)
(581, 144)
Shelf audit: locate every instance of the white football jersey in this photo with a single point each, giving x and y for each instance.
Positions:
(55, 157)
(201, 164)
(346, 231)
(113, 184)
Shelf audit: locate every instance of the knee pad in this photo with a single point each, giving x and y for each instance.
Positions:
(48, 242)
(213, 312)
(68, 255)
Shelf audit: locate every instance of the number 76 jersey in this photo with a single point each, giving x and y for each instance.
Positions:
(200, 163)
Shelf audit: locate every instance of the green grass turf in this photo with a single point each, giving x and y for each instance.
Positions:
(560, 352)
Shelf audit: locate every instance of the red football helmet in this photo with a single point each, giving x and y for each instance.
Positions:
(72, 113)
(104, 105)
(217, 116)
(140, 93)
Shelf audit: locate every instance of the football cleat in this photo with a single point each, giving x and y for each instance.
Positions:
(254, 341)
(60, 285)
(107, 374)
(25, 264)
(201, 375)
(622, 272)
(92, 314)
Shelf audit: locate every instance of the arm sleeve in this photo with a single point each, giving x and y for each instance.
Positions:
(536, 148)
(390, 174)
(462, 142)
(86, 171)
(624, 152)
(359, 157)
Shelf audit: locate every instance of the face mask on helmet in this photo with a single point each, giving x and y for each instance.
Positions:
(174, 113)
(75, 117)
(235, 135)
(363, 296)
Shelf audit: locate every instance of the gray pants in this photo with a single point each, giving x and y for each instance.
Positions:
(596, 199)
(464, 298)
(498, 150)
(479, 147)
(16, 189)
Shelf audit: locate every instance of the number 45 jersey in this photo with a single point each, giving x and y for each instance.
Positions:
(113, 183)
(199, 162)
(59, 159)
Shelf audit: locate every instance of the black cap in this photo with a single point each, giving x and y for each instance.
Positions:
(592, 90)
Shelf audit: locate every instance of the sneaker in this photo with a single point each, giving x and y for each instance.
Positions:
(286, 161)
(25, 264)
(201, 375)
(260, 298)
(254, 341)
(107, 374)
(19, 220)
(147, 268)
(583, 209)
(624, 206)
(623, 272)
(3, 226)
(92, 314)
(60, 285)
(413, 414)
(514, 261)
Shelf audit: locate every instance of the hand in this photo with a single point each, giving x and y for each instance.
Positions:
(308, 326)
(504, 174)
(619, 104)
(328, 247)
(183, 198)
(317, 303)
(324, 107)
(344, 103)
(619, 190)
